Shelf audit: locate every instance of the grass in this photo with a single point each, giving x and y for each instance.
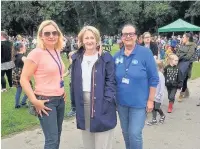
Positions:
(16, 120)
(195, 70)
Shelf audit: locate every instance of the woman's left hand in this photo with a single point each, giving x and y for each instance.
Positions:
(150, 105)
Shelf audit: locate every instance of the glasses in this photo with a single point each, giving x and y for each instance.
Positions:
(54, 33)
(147, 37)
(131, 34)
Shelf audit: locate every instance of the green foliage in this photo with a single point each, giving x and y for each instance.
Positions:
(108, 16)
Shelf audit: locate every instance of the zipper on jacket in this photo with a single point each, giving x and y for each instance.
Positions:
(93, 75)
(93, 71)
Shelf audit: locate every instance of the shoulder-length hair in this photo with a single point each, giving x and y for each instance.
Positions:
(40, 43)
(82, 32)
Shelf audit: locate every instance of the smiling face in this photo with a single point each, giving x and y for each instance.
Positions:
(49, 35)
(129, 35)
(89, 40)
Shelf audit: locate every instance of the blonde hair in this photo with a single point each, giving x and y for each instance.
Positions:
(40, 43)
(82, 32)
(170, 57)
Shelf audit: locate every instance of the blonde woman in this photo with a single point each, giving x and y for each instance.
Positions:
(45, 64)
(94, 89)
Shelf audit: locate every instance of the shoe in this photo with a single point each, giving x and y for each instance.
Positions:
(181, 96)
(24, 105)
(162, 119)
(71, 113)
(170, 107)
(4, 90)
(153, 122)
(17, 107)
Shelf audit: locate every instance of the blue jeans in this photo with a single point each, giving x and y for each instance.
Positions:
(132, 123)
(52, 124)
(17, 97)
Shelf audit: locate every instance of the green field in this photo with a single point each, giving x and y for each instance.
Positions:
(16, 120)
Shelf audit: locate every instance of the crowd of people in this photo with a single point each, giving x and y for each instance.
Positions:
(132, 82)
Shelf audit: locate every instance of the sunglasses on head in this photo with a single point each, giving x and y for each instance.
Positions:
(54, 33)
(131, 34)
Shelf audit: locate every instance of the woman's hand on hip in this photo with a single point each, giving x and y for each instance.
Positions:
(40, 107)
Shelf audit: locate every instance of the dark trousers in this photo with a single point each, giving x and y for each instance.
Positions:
(184, 84)
(157, 109)
(52, 124)
(171, 93)
(3, 80)
(17, 97)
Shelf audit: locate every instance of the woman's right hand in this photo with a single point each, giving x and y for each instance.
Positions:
(40, 107)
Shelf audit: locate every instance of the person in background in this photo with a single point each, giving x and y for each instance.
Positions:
(172, 80)
(137, 78)
(174, 43)
(186, 58)
(150, 45)
(94, 90)
(44, 63)
(159, 97)
(140, 39)
(7, 63)
(110, 43)
(20, 48)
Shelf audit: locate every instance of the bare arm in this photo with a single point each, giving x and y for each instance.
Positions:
(27, 72)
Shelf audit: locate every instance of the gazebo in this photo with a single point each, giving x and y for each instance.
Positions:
(179, 26)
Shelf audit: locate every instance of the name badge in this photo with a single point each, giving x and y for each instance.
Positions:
(61, 84)
(125, 80)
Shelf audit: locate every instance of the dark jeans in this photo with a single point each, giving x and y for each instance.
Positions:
(171, 93)
(52, 124)
(17, 97)
(3, 80)
(184, 84)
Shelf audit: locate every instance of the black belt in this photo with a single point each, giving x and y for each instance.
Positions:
(41, 97)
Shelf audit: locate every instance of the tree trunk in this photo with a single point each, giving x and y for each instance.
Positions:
(25, 30)
(192, 19)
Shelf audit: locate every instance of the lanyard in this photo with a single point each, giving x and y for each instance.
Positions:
(59, 66)
(127, 66)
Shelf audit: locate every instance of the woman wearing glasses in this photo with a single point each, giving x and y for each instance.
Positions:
(137, 79)
(149, 44)
(45, 64)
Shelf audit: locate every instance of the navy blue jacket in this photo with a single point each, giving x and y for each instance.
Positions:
(103, 93)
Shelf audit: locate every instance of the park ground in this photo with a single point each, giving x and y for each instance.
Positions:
(16, 123)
